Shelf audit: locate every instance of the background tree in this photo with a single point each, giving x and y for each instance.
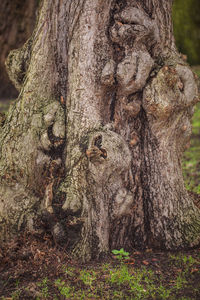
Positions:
(17, 19)
(96, 136)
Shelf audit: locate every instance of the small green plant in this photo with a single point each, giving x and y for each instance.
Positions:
(105, 267)
(14, 296)
(141, 283)
(185, 261)
(81, 295)
(64, 289)
(189, 260)
(121, 254)
(70, 272)
(45, 289)
(180, 282)
(138, 290)
(87, 277)
(120, 275)
(163, 292)
(118, 294)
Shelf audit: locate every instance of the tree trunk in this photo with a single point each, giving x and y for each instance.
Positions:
(96, 136)
(17, 19)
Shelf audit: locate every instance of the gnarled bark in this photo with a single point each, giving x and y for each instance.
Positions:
(99, 127)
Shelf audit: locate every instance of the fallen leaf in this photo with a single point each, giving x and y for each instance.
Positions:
(130, 261)
(154, 259)
(194, 270)
(114, 256)
(149, 250)
(146, 263)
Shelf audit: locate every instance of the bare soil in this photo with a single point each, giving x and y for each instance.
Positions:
(28, 259)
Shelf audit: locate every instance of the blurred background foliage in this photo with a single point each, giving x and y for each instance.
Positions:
(186, 19)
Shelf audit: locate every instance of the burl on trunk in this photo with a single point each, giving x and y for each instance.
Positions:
(96, 136)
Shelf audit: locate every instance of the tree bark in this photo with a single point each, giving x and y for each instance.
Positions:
(96, 136)
(17, 20)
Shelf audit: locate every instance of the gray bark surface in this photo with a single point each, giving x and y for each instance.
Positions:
(96, 136)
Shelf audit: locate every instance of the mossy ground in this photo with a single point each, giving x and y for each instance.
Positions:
(31, 267)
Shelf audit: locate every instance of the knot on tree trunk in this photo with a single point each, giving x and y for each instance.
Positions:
(168, 100)
(171, 90)
(108, 148)
(17, 64)
(134, 33)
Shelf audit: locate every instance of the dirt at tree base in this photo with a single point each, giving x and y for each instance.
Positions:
(31, 264)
